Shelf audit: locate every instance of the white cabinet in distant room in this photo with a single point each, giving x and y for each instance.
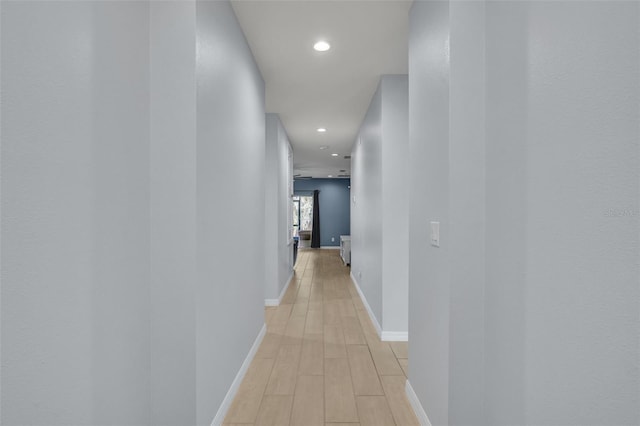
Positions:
(345, 249)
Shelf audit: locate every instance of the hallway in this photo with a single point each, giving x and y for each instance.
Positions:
(482, 156)
(321, 361)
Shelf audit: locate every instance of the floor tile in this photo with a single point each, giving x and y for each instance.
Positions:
(321, 361)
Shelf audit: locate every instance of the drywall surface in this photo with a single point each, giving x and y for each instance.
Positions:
(379, 244)
(395, 199)
(537, 180)
(582, 161)
(76, 310)
(506, 213)
(366, 178)
(467, 211)
(0, 215)
(121, 273)
(285, 208)
(173, 212)
(429, 273)
(121, 282)
(47, 215)
(562, 307)
(278, 208)
(334, 206)
(230, 142)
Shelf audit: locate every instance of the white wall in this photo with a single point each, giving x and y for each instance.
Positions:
(76, 208)
(230, 173)
(395, 199)
(429, 180)
(366, 188)
(379, 174)
(75, 213)
(121, 280)
(173, 212)
(523, 135)
(467, 177)
(47, 213)
(132, 162)
(507, 90)
(285, 208)
(278, 210)
(583, 159)
(1, 103)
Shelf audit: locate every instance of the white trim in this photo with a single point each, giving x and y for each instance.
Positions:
(415, 404)
(276, 302)
(385, 336)
(330, 247)
(374, 320)
(395, 336)
(231, 393)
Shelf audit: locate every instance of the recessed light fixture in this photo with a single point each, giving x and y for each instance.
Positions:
(330, 176)
(322, 46)
(321, 130)
(323, 147)
(334, 155)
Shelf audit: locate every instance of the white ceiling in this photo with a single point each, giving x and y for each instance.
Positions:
(331, 89)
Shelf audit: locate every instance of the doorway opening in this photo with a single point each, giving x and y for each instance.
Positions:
(303, 218)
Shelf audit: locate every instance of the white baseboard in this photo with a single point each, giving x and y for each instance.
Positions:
(374, 320)
(415, 404)
(395, 336)
(276, 302)
(330, 247)
(385, 336)
(231, 393)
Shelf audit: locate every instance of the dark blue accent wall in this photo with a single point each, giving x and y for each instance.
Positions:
(334, 206)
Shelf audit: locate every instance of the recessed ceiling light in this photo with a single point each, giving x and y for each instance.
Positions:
(322, 46)
(324, 147)
(330, 176)
(321, 130)
(334, 155)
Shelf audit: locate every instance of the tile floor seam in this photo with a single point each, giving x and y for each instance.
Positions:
(320, 276)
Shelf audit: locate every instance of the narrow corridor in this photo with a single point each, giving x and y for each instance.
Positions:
(321, 361)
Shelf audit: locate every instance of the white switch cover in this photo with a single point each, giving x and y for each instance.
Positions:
(435, 234)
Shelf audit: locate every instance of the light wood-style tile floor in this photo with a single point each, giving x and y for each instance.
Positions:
(321, 361)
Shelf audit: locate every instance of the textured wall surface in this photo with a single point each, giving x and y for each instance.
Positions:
(76, 311)
(122, 122)
(366, 174)
(582, 162)
(467, 177)
(173, 212)
(380, 220)
(278, 208)
(230, 142)
(528, 312)
(395, 201)
(429, 271)
(47, 214)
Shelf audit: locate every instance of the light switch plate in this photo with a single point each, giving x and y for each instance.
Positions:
(435, 234)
